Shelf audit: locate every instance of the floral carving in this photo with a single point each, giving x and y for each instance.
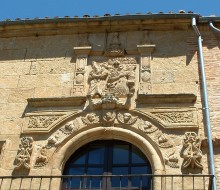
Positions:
(163, 141)
(90, 118)
(147, 127)
(191, 151)
(171, 159)
(176, 117)
(126, 118)
(42, 159)
(24, 153)
(112, 83)
(41, 121)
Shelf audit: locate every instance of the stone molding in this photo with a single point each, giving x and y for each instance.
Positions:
(57, 101)
(165, 98)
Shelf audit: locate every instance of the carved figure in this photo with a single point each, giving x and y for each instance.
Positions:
(90, 118)
(126, 118)
(97, 78)
(147, 127)
(191, 151)
(108, 118)
(53, 141)
(112, 79)
(24, 153)
(68, 128)
(42, 158)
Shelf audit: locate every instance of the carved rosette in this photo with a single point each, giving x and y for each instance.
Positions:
(22, 159)
(191, 154)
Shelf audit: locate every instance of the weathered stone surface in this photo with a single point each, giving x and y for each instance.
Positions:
(129, 83)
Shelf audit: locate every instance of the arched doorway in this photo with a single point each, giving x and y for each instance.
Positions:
(123, 161)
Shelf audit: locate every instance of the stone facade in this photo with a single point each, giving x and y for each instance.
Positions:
(138, 83)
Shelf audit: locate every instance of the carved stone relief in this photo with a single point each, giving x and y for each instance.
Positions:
(176, 117)
(171, 159)
(191, 153)
(163, 141)
(42, 158)
(79, 84)
(145, 48)
(112, 83)
(42, 121)
(114, 47)
(22, 159)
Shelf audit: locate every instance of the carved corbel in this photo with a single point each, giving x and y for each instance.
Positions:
(79, 84)
(22, 159)
(145, 49)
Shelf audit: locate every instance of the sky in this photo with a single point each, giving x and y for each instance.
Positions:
(12, 9)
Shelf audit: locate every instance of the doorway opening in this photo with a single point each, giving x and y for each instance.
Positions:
(109, 164)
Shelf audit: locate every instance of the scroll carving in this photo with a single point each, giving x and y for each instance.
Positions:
(41, 121)
(111, 84)
(24, 153)
(191, 151)
(176, 117)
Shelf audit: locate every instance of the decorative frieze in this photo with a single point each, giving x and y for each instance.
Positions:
(191, 153)
(42, 121)
(22, 159)
(176, 117)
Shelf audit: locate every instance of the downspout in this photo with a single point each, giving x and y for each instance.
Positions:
(205, 104)
(213, 28)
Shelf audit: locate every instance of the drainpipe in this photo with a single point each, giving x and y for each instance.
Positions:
(205, 104)
(213, 28)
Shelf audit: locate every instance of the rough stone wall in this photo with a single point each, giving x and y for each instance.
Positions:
(43, 67)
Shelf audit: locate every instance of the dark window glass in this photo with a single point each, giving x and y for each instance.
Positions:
(96, 155)
(107, 157)
(120, 154)
(138, 156)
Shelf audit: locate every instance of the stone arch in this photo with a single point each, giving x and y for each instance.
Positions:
(145, 144)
